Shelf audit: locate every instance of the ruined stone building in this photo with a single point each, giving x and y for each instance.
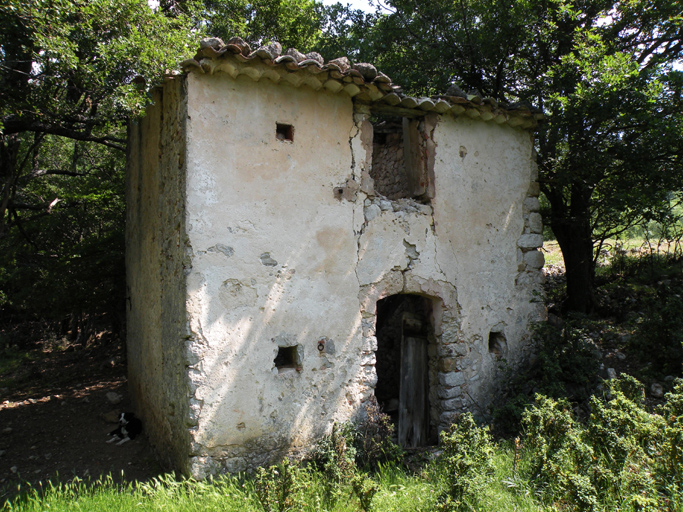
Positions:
(303, 238)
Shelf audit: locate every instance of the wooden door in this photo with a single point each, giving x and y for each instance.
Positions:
(413, 412)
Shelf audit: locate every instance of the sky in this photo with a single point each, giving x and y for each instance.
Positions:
(364, 5)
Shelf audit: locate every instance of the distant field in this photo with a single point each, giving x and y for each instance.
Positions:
(611, 248)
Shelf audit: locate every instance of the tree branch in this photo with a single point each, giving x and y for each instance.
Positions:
(13, 126)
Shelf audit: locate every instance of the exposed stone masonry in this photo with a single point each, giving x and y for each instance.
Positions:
(388, 167)
(293, 223)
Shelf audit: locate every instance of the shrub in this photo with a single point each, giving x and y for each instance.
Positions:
(623, 458)
(466, 463)
(659, 337)
(373, 440)
(556, 454)
(279, 487)
(566, 366)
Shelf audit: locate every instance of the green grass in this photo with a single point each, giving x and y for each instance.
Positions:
(398, 491)
(612, 248)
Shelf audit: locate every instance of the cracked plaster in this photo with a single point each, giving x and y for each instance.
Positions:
(300, 250)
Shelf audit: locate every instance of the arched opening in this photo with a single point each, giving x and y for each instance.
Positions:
(404, 330)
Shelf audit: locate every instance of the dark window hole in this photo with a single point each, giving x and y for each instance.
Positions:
(284, 131)
(287, 357)
(497, 344)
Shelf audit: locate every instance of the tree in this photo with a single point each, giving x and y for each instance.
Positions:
(603, 71)
(70, 78)
(72, 73)
(292, 23)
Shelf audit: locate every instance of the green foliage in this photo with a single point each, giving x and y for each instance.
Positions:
(557, 453)
(278, 487)
(373, 440)
(466, 463)
(365, 489)
(623, 458)
(68, 71)
(659, 337)
(335, 454)
(566, 366)
(292, 23)
(609, 153)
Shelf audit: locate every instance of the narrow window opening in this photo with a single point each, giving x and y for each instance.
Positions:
(402, 158)
(284, 132)
(388, 159)
(497, 344)
(286, 358)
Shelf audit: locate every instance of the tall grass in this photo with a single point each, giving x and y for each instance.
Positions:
(398, 490)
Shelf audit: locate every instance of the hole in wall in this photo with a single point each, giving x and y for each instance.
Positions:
(399, 158)
(284, 132)
(287, 358)
(388, 162)
(497, 344)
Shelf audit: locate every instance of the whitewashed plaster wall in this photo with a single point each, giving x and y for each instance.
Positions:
(157, 327)
(286, 244)
(273, 264)
(464, 250)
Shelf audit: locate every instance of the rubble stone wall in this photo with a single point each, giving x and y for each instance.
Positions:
(388, 167)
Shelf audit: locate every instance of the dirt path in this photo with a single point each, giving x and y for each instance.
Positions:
(54, 420)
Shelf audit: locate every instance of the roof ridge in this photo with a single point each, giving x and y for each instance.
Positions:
(361, 81)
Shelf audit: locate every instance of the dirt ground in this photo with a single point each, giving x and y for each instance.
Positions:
(55, 416)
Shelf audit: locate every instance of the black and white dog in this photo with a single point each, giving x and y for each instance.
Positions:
(129, 428)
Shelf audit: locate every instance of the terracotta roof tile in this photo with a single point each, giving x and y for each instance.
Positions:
(361, 81)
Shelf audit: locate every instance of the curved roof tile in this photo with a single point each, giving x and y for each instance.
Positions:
(361, 81)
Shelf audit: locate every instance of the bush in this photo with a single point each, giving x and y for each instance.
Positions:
(566, 366)
(373, 440)
(659, 337)
(279, 487)
(466, 464)
(335, 457)
(623, 458)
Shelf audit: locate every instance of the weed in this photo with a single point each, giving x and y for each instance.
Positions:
(373, 440)
(466, 463)
(278, 487)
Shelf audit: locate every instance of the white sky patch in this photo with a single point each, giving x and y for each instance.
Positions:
(363, 5)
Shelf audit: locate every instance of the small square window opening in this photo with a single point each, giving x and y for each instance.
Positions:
(284, 132)
(497, 344)
(287, 357)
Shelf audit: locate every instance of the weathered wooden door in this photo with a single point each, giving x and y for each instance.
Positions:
(413, 412)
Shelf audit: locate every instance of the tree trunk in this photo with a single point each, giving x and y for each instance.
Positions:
(572, 227)
(577, 250)
(9, 150)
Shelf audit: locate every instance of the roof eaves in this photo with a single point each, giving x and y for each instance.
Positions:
(360, 81)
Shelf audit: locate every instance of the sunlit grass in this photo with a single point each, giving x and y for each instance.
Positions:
(399, 490)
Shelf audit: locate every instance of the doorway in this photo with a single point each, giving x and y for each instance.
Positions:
(404, 329)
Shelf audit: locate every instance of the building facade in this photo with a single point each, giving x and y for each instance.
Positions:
(304, 240)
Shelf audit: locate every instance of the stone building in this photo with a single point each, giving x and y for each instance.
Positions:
(304, 239)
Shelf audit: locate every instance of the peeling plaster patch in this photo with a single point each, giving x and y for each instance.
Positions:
(348, 191)
(235, 294)
(267, 260)
(411, 251)
(204, 184)
(228, 251)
